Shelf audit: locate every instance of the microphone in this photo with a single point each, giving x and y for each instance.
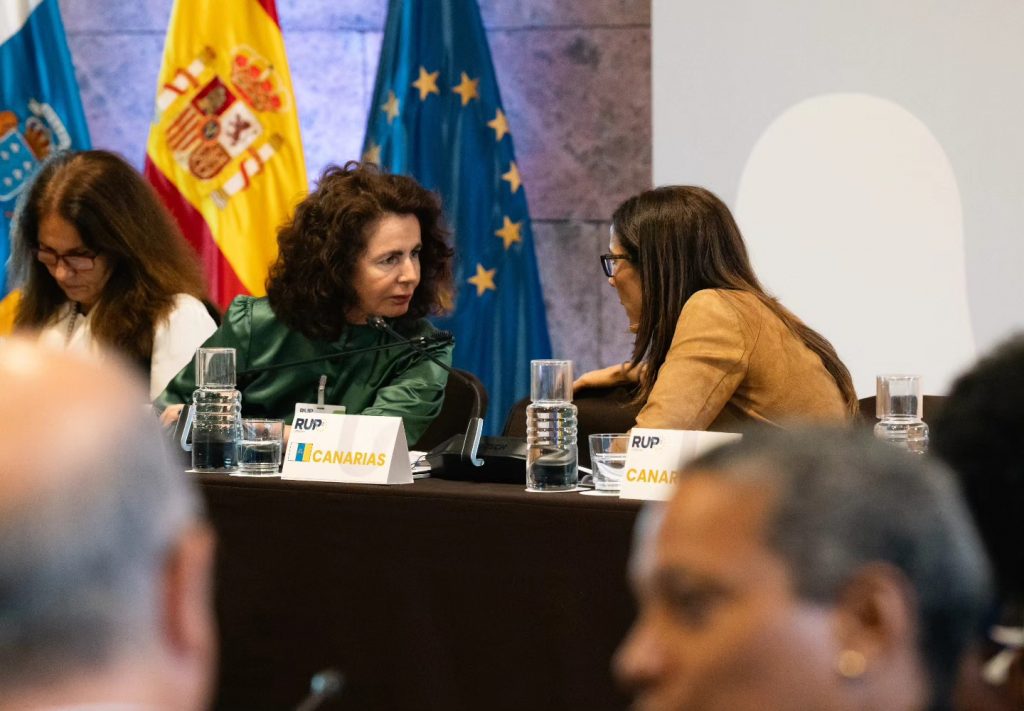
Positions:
(474, 428)
(324, 685)
(421, 342)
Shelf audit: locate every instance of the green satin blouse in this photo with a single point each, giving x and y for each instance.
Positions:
(395, 381)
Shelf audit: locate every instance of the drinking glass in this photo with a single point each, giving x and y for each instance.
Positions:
(898, 406)
(608, 460)
(215, 368)
(551, 428)
(259, 451)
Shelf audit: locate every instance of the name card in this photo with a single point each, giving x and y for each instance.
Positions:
(655, 459)
(306, 408)
(360, 449)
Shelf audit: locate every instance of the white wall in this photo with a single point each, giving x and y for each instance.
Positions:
(873, 154)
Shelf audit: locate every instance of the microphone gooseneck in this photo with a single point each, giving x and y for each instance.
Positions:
(475, 426)
(444, 337)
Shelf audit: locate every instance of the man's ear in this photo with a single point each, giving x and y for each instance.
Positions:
(876, 613)
(188, 623)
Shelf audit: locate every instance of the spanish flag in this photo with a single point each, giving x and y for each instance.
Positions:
(224, 150)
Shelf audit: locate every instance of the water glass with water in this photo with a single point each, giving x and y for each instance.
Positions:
(608, 460)
(214, 418)
(551, 454)
(259, 450)
(899, 407)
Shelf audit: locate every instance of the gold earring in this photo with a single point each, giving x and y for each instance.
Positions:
(851, 664)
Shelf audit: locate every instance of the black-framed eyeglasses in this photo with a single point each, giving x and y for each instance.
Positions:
(74, 262)
(608, 263)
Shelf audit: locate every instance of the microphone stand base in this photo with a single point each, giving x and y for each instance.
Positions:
(504, 460)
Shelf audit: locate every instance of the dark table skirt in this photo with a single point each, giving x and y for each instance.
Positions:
(435, 595)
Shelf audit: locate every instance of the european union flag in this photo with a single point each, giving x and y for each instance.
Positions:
(40, 109)
(437, 116)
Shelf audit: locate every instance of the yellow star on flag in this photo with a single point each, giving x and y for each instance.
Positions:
(509, 232)
(467, 89)
(500, 125)
(483, 280)
(390, 107)
(512, 177)
(372, 154)
(427, 83)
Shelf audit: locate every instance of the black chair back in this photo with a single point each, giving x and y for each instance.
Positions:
(455, 412)
(211, 308)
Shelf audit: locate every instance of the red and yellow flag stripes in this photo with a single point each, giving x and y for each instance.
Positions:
(224, 151)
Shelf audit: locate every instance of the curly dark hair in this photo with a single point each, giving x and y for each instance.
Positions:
(310, 284)
(118, 214)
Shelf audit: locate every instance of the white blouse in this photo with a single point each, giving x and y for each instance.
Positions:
(175, 337)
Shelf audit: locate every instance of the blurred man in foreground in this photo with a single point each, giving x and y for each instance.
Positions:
(105, 562)
(814, 570)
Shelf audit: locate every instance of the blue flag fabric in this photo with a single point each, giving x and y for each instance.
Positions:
(40, 108)
(437, 116)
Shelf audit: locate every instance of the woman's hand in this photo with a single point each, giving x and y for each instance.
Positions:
(169, 416)
(619, 374)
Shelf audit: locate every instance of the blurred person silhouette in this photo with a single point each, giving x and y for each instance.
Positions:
(979, 434)
(804, 570)
(103, 266)
(105, 560)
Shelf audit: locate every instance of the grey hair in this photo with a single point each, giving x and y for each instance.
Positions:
(80, 564)
(845, 500)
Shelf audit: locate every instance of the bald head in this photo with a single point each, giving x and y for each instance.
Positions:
(62, 414)
(91, 508)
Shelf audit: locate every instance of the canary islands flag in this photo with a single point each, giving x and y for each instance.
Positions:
(40, 109)
(224, 150)
(437, 116)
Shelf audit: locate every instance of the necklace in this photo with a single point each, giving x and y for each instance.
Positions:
(72, 322)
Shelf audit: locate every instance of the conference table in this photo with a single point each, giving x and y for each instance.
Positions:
(432, 595)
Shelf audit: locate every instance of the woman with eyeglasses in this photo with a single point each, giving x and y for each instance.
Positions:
(103, 266)
(713, 350)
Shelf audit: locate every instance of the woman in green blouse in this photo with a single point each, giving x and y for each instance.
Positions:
(362, 244)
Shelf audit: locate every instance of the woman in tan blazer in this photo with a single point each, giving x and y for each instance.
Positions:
(713, 349)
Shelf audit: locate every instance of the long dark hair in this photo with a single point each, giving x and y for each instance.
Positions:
(310, 284)
(117, 214)
(682, 239)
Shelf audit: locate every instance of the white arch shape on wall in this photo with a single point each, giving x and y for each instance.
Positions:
(853, 217)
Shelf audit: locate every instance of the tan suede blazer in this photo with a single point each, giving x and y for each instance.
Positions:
(732, 362)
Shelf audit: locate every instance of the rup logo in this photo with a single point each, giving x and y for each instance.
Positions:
(639, 442)
(307, 424)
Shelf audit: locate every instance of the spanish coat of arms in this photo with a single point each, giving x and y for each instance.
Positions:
(216, 132)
